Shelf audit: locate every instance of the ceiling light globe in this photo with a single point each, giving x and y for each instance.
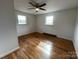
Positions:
(37, 9)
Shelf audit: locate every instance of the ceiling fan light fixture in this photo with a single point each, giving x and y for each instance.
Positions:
(37, 9)
(37, 6)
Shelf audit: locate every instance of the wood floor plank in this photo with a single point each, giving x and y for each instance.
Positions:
(40, 46)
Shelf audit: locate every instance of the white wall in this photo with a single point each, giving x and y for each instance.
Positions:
(75, 40)
(64, 22)
(27, 28)
(8, 36)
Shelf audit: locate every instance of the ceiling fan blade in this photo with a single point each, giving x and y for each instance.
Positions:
(32, 4)
(42, 5)
(31, 8)
(33, 1)
(42, 9)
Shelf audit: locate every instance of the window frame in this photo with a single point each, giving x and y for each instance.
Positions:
(46, 21)
(18, 21)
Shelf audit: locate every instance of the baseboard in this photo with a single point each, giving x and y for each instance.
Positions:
(50, 34)
(26, 34)
(5, 54)
(75, 49)
(64, 37)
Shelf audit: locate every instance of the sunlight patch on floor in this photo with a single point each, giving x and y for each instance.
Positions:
(46, 47)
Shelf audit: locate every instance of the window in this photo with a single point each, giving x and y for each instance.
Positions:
(22, 19)
(49, 20)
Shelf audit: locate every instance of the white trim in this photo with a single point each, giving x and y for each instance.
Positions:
(3, 55)
(64, 37)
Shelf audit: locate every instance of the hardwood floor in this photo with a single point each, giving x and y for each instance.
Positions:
(40, 46)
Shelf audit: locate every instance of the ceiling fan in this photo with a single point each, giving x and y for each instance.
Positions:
(37, 6)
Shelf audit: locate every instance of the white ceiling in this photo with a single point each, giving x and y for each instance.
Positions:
(52, 5)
